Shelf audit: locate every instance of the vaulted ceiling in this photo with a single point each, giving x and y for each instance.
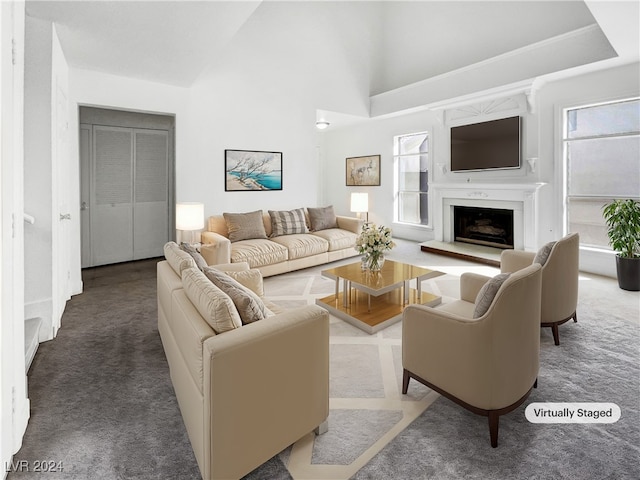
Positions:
(394, 43)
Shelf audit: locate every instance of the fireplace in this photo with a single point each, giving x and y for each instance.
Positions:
(520, 198)
(491, 227)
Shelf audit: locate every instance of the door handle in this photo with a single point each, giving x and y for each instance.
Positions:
(66, 216)
(83, 206)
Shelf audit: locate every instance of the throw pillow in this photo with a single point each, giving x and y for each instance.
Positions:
(195, 254)
(214, 305)
(322, 218)
(177, 258)
(487, 293)
(543, 254)
(287, 222)
(250, 307)
(252, 279)
(245, 226)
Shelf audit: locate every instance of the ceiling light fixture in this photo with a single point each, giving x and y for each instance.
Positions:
(321, 125)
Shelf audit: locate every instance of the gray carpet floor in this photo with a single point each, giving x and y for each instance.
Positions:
(597, 361)
(102, 401)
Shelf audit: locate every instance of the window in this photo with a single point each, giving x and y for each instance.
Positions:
(411, 158)
(602, 160)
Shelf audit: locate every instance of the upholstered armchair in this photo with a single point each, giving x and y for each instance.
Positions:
(559, 262)
(480, 351)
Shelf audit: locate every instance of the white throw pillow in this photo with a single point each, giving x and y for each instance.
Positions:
(252, 279)
(178, 259)
(214, 305)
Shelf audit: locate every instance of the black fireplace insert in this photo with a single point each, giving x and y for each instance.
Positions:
(491, 227)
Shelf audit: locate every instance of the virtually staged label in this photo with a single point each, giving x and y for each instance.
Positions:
(565, 412)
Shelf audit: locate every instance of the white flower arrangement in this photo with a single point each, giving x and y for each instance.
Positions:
(374, 240)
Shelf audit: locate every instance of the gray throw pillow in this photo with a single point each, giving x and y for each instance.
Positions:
(201, 263)
(487, 293)
(322, 218)
(543, 254)
(250, 307)
(245, 226)
(287, 222)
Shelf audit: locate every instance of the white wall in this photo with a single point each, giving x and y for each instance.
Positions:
(46, 159)
(541, 136)
(375, 136)
(247, 118)
(62, 195)
(89, 88)
(249, 99)
(14, 404)
(266, 98)
(38, 173)
(44, 181)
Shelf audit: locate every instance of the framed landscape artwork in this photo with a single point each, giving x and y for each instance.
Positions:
(249, 170)
(363, 170)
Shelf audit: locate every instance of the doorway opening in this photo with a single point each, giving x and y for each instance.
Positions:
(127, 184)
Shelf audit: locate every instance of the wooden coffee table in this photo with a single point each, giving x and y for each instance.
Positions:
(374, 300)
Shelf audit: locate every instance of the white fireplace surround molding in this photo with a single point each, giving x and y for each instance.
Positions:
(522, 198)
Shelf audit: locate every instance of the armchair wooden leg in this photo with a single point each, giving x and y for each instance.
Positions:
(405, 380)
(535, 384)
(556, 334)
(575, 317)
(494, 419)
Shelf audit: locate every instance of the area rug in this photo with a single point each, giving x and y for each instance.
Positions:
(367, 408)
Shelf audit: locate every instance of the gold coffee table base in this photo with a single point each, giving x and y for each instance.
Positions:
(385, 309)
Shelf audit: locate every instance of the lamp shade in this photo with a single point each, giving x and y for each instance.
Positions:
(359, 202)
(189, 216)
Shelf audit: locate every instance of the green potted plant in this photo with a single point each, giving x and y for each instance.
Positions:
(623, 229)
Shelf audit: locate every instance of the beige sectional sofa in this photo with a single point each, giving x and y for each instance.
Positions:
(245, 391)
(318, 237)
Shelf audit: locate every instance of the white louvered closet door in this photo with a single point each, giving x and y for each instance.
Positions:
(111, 206)
(151, 193)
(129, 206)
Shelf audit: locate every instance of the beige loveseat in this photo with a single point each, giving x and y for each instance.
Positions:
(251, 391)
(274, 254)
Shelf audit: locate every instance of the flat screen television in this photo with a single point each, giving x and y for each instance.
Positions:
(486, 145)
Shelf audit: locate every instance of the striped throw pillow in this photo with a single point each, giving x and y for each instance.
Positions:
(287, 222)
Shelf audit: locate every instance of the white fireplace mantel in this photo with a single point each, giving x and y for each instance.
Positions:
(522, 198)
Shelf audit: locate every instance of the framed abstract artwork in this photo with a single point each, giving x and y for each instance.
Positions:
(250, 170)
(363, 171)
